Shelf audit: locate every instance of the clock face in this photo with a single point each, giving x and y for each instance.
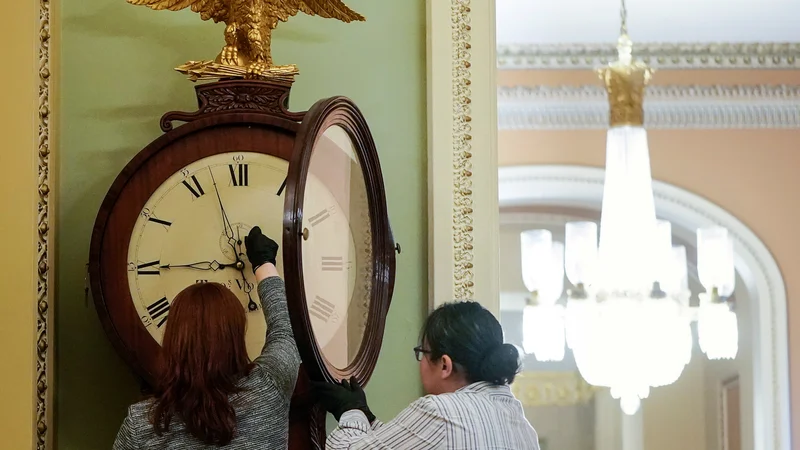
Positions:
(337, 248)
(181, 236)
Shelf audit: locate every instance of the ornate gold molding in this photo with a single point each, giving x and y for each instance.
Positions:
(463, 256)
(698, 55)
(44, 253)
(552, 389)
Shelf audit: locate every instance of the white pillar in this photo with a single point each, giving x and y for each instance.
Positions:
(607, 422)
(632, 431)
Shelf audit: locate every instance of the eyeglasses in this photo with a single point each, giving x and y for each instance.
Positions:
(419, 351)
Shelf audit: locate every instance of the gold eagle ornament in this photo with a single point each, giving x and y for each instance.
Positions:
(248, 32)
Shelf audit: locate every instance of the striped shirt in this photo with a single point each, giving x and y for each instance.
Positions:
(262, 407)
(480, 416)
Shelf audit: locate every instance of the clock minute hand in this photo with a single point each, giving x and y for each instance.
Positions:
(202, 265)
(226, 223)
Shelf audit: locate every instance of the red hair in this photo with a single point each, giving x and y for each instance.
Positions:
(203, 357)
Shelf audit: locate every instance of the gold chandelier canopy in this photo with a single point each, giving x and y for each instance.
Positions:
(625, 81)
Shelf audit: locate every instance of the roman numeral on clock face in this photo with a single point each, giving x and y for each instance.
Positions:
(239, 174)
(197, 190)
(321, 308)
(320, 217)
(332, 264)
(159, 310)
(142, 269)
(159, 221)
(280, 189)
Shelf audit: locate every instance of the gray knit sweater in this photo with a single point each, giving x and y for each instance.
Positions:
(262, 407)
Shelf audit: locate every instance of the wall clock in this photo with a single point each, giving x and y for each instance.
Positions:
(312, 178)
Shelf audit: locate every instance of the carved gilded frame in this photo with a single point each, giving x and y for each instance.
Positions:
(25, 322)
(45, 231)
(462, 152)
(28, 197)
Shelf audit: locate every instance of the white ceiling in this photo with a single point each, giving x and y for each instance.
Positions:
(597, 21)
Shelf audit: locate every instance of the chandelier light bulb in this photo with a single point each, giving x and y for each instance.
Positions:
(715, 265)
(536, 250)
(554, 287)
(543, 332)
(580, 252)
(678, 280)
(717, 329)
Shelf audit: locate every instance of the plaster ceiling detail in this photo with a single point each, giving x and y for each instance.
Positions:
(657, 55)
(666, 107)
(685, 34)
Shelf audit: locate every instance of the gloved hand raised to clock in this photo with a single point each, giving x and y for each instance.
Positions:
(260, 248)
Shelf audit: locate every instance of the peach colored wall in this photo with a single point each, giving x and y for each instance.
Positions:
(753, 174)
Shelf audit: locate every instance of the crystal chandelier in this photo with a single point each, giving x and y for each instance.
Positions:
(627, 318)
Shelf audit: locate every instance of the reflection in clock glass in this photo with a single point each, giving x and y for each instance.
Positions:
(192, 230)
(338, 252)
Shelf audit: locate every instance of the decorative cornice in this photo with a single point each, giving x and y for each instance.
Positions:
(44, 231)
(463, 277)
(666, 107)
(734, 55)
(552, 389)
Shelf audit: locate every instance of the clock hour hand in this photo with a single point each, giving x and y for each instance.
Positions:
(246, 287)
(204, 265)
(240, 252)
(251, 305)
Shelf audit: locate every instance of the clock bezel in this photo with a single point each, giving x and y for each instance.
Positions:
(342, 112)
(212, 135)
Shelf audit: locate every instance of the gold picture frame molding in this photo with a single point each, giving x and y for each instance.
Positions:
(28, 193)
(462, 152)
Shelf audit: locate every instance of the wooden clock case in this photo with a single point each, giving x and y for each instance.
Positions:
(246, 115)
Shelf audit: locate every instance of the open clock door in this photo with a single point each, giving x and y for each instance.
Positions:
(339, 254)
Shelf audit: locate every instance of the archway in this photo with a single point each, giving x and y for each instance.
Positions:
(583, 187)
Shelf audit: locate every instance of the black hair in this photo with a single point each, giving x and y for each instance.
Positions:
(473, 338)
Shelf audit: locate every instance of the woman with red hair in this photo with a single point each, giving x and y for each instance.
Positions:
(210, 394)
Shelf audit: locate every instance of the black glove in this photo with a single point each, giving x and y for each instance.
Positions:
(338, 398)
(260, 249)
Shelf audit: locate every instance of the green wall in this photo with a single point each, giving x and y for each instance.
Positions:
(117, 80)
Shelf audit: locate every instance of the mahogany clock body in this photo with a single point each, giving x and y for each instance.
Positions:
(241, 119)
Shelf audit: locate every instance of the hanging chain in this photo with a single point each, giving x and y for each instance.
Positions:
(623, 15)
